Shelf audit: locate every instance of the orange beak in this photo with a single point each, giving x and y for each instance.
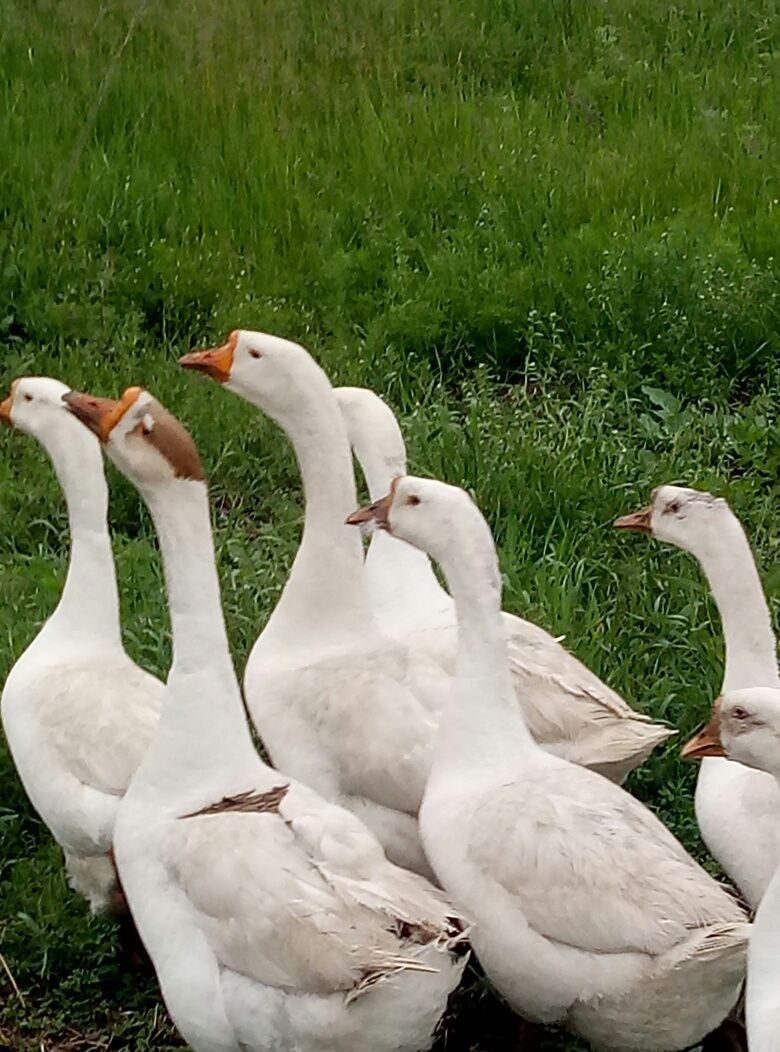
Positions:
(5, 410)
(377, 512)
(7, 404)
(216, 362)
(100, 415)
(707, 742)
(637, 520)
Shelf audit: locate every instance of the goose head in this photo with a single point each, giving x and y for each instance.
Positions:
(687, 518)
(146, 442)
(745, 726)
(440, 519)
(266, 370)
(34, 405)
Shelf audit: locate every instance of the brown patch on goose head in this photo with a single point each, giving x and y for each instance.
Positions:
(637, 520)
(171, 440)
(158, 427)
(708, 741)
(378, 512)
(100, 415)
(216, 362)
(7, 404)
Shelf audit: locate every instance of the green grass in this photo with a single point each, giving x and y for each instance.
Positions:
(546, 232)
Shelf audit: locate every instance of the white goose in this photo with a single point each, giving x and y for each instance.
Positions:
(745, 726)
(273, 918)
(586, 910)
(738, 810)
(573, 713)
(339, 704)
(77, 712)
(408, 601)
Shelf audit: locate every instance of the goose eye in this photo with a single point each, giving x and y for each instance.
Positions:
(27, 397)
(674, 507)
(414, 501)
(254, 353)
(739, 713)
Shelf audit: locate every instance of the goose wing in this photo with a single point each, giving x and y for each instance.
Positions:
(589, 866)
(295, 893)
(100, 720)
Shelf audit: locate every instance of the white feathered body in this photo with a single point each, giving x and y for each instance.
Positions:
(272, 917)
(737, 808)
(567, 708)
(728, 798)
(357, 723)
(78, 713)
(587, 911)
(77, 726)
(284, 929)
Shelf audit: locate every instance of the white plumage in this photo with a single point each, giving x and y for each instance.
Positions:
(586, 910)
(737, 809)
(340, 703)
(568, 709)
(77, 712)
(273, 919)
(745, 726)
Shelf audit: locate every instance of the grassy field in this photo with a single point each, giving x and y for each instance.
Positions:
(547, 233)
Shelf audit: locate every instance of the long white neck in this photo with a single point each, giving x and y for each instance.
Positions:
(380, 451)
(728, 564)
(399, 576)
(325, 592)
(401, 580)
(203, 735)
(482, 724)
(88, 610)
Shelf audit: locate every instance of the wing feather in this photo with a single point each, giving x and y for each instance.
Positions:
(591, 867)
(303, 897)
(100, 719)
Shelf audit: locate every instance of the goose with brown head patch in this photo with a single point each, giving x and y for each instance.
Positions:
(78, 714)
(263, 908)
(738, 810)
